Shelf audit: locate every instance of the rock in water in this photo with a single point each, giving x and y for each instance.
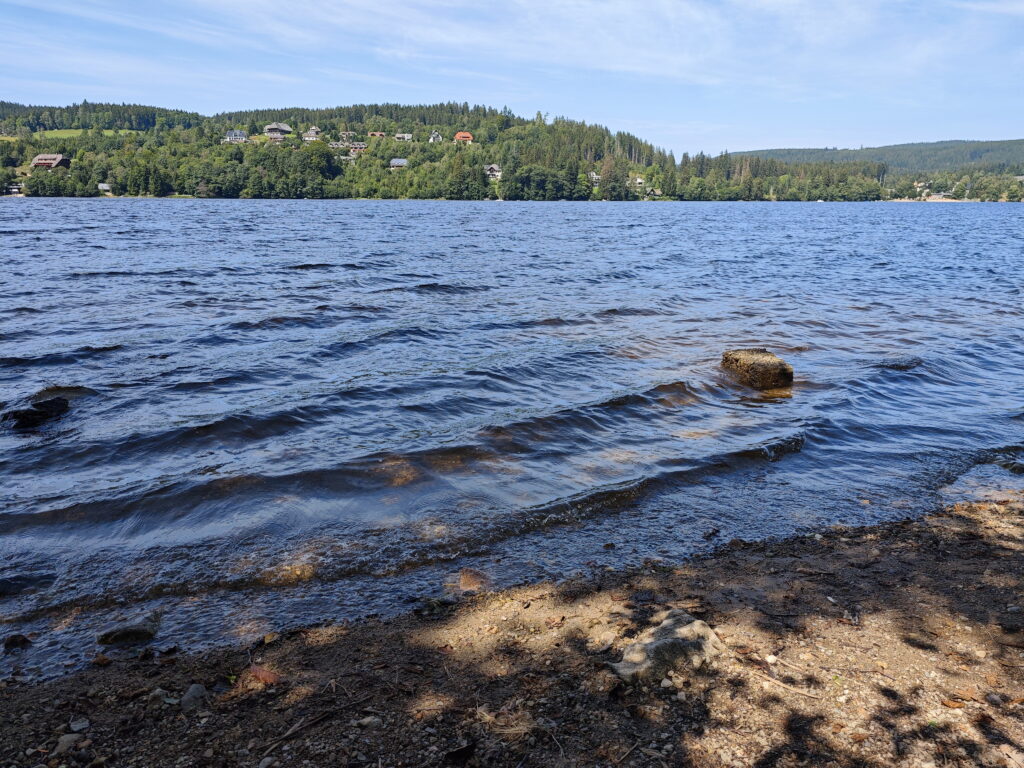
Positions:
(16, 642)
(679, 640)
(139, 631)
(472, 580)
(758, 368)
(38, 414)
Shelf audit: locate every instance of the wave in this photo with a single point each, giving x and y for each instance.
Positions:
(60, 358)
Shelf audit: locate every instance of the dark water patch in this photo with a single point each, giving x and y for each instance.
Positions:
(395, 336)
(900, 363)
(60, 358)
(438, 288)
(310, 266)
(271, 323)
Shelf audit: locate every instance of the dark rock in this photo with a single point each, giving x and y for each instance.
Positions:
(758, 368)
(16, 642)
(194, 698)
(139, 631)
(38, 414)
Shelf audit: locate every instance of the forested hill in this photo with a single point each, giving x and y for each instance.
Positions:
(398, 151)
(913, 158)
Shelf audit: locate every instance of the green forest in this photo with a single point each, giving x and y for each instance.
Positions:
(149, 151)
(992, 156)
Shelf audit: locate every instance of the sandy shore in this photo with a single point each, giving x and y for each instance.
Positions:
(899, 644)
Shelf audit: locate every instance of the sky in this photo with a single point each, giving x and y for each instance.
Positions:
(688, 75)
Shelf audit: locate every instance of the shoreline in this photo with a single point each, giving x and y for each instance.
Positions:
(898, 643)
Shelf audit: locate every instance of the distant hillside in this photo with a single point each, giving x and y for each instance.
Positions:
(448, 151)
(912, 158)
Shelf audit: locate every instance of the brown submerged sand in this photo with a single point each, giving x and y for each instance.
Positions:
(894, 645)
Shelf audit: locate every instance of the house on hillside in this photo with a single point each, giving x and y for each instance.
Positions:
(235, 137)
(403, 137)
(339, 144)
(435, 137)
(49, 162)
(313, 134)
(493, 172)
(376, 134)
(104, 188)
(464, 136)
(595, 178)
(276, 131)
(357, 146)
(397, 163)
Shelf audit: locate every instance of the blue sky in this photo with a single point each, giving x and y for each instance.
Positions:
(688, 75)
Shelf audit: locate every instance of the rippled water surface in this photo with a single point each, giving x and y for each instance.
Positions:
(295, 411)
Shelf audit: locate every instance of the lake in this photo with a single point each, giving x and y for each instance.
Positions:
(287, 412)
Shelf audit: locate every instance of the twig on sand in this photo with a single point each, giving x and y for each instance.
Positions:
(783, 685)
(628, 752)
(304, 724)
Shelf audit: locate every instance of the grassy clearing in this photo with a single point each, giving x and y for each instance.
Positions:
(67, 133)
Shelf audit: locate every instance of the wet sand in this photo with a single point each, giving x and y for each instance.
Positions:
(896, 644)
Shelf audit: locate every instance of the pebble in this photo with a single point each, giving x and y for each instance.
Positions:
(77, 726)
(66, 743)
(267, 762)
(370, 722)
(194, 697)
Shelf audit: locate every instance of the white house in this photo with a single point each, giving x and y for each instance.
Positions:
(493, 172)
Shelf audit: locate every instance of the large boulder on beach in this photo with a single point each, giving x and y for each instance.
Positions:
(758, 368)
(678, 642)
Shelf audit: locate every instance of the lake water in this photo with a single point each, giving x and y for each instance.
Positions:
(286, 412)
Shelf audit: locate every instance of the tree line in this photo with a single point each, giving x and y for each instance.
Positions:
(169, 152)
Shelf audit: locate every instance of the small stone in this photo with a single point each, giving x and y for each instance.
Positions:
(994, 699)
(771, 659)
(758, 368)
(156, 697)
(79, 725)
(268, 762)
(600, 642)
(370, 722)
(66, 743)
(194, 698)
(666, 683)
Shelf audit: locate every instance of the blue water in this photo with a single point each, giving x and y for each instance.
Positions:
(294, 411)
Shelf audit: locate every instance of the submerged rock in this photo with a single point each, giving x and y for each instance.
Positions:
(472, 580)
(16, 642)
(679, 640)
(137, 631)
(758, 368)
(40, 412)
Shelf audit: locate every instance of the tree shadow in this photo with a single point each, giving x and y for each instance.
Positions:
(864, 647)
